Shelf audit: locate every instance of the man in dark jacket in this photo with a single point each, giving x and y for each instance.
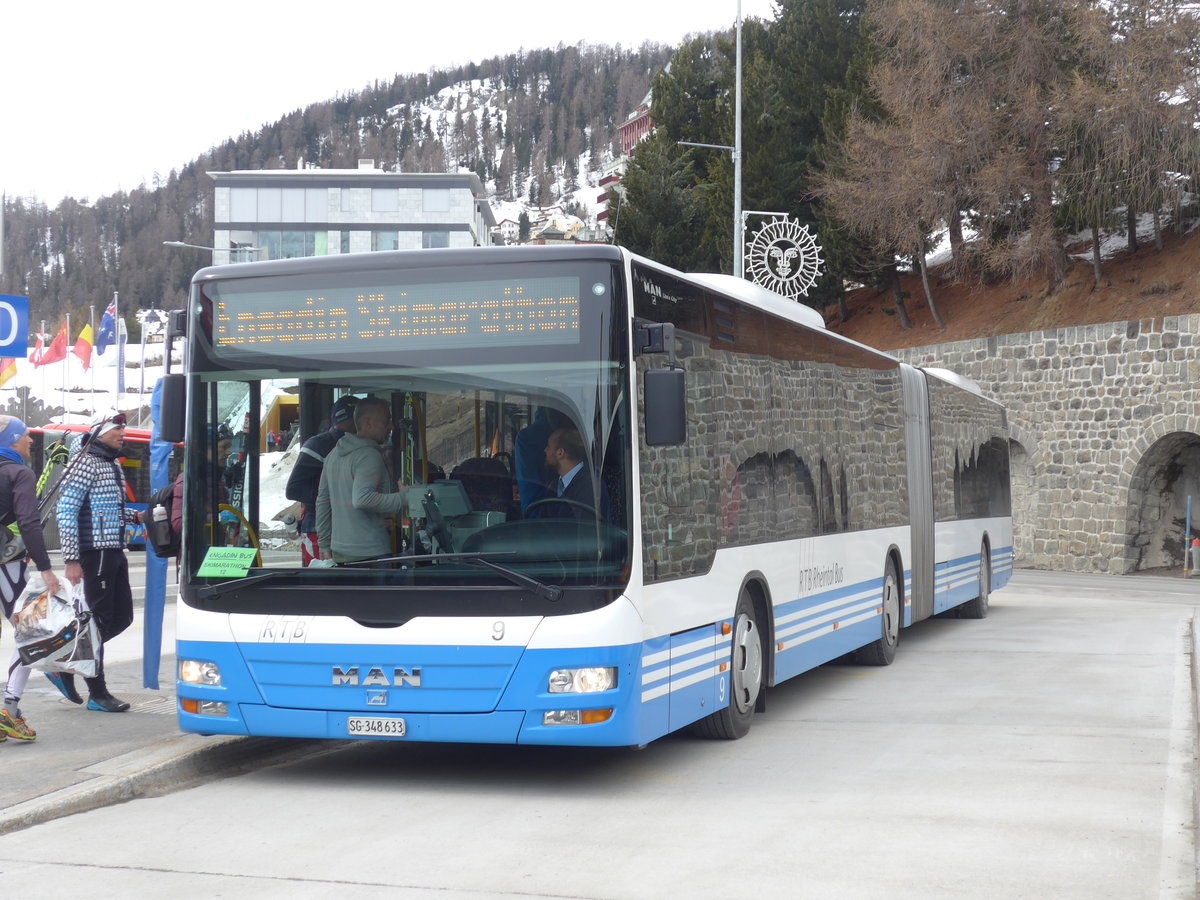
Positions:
(19, 504)
(306, 476)
(91, 521)
(564, 457)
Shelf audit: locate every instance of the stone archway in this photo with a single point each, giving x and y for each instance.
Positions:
(1024, 502)
(1167, 473)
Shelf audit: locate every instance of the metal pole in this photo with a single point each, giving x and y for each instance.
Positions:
(142, 385)
(737, 155)
(1187, 538)
(92, 361)
(42, 340)
(119, 326)
(66, 364)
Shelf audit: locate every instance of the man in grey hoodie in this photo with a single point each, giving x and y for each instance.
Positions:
(355, 497)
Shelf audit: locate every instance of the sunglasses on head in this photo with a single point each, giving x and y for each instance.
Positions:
(118, 419)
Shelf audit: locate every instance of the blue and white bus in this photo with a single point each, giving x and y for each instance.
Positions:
(767, 497)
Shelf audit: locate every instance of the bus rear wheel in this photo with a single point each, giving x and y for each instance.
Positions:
(882, 651)
(745, 677)
(978, 608)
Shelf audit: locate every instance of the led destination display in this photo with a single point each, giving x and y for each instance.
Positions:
(503, 313)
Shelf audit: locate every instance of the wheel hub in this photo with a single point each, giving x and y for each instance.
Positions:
(747, 665)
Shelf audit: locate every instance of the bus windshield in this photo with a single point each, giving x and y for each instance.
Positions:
(493, 385)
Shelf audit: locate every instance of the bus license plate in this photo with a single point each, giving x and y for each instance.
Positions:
(359, 726)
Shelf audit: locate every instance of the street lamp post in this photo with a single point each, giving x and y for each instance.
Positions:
(215, 250)
(736, 149)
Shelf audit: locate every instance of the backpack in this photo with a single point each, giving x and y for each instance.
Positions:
(160, 536)
(487, 482)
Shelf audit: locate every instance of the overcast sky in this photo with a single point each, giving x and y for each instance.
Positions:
(97, 97)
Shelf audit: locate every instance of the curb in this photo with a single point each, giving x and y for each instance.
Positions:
(1179, 866)
(171, 765)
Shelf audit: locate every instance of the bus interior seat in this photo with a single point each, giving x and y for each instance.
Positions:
(488, 482)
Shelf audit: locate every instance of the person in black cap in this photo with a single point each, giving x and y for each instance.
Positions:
(306, 476)
(92, 516)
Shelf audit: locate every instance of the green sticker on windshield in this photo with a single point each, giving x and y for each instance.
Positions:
(227, 562)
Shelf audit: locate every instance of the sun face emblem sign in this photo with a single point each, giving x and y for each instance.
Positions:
(785, 258)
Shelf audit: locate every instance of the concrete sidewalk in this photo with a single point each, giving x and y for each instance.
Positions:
(84, 759)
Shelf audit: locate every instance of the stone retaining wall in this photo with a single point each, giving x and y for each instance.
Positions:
(1105, 421)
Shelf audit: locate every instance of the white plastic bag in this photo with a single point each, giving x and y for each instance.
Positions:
(56, 633)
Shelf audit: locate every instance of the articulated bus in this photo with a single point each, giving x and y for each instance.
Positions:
(766, 496)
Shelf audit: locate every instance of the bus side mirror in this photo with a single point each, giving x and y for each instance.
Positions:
(177, 323)
(666, 407)
(172, 408)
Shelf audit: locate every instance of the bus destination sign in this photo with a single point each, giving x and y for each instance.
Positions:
(502, 313)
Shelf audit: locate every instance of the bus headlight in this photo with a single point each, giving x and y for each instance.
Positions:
(195, 671)
(582, 681)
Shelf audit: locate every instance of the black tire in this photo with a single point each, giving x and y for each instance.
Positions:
(978, 608)
(882, 650)
(746, 666)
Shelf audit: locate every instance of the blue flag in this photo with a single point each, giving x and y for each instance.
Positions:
(108, 327)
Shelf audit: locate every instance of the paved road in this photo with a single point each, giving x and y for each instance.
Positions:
(1047, 751)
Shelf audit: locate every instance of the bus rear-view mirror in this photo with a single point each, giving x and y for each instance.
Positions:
(171, 412)
(666, 407)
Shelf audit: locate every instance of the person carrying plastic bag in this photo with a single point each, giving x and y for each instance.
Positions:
(18, 505)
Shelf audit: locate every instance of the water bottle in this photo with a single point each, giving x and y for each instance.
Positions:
(158, 533)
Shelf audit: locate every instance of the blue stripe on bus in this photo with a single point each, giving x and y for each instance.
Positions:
(663, 683)
(684, 677)
(813, 630)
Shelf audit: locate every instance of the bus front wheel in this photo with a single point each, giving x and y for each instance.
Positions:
(882, 651)
(745, 680)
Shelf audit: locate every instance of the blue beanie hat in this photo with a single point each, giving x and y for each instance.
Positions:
(11, 430)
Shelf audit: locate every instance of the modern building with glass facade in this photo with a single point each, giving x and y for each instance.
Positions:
(282, 213)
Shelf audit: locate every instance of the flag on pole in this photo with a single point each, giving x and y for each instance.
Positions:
(8, 370)
(83, 347)
(35, 356)
(107, 332)
(57, 351)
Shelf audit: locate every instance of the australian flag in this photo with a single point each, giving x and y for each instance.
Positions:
(108, 327)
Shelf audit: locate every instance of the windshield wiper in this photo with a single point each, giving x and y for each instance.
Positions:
(548, 591)
(216, 590)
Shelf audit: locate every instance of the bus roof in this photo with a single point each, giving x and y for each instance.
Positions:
(738, 289)
(959, 381)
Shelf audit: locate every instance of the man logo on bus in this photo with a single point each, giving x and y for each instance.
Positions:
(376, 678)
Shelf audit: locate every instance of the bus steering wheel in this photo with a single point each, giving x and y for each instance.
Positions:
(548, 500)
